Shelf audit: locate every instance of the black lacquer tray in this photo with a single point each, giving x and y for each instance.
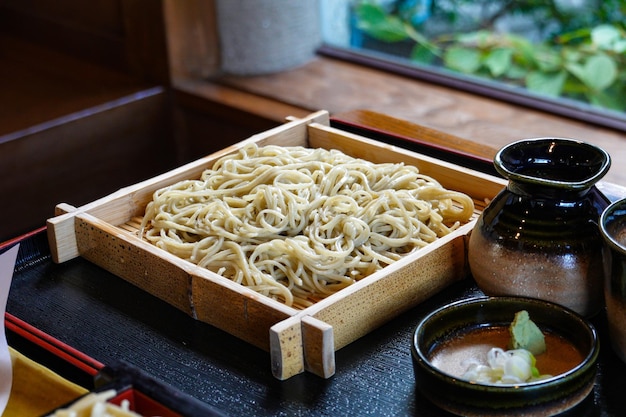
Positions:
(109, 320)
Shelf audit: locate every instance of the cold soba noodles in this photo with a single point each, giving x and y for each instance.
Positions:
(297, 224)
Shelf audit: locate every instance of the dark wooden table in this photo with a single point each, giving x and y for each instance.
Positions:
(110, 321)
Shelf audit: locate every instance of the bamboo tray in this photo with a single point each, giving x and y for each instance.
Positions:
(105, 233)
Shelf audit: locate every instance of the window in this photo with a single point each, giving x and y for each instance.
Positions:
(563, 56)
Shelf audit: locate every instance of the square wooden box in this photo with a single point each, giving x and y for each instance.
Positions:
(105, 233)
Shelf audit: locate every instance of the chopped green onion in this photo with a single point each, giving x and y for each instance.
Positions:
(515, 366)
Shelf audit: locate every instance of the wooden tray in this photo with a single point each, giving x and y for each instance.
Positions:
(105, 233)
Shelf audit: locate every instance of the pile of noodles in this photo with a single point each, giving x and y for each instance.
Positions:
(297, 224)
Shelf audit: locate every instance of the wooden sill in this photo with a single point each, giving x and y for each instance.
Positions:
(338, 86)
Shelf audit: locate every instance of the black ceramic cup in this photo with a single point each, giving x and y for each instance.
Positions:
(613, 229)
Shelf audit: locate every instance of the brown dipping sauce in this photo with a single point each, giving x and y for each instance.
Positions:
(618, 231)
(452, 355)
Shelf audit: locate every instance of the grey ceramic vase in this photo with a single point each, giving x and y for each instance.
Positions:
(539, 236)
(267, 36)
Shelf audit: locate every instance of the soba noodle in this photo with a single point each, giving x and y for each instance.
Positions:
(297, 224)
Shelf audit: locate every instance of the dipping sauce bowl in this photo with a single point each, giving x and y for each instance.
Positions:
(443, 328)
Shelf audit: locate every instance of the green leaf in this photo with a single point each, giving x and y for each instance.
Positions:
(516, 72)
(598, 73)
(462, 59)
(422, 54)
(374, 21)
(479, 38)
(550, 84)
(369, 13)
(571, 55)
(619, 47)
(604, 36)
(498, 61)
(602, 70)
(525, 50)
(576, 70)
(609, 101)
(575, 88)
(547, 60)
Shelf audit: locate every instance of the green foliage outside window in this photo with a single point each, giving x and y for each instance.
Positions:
(584, 59)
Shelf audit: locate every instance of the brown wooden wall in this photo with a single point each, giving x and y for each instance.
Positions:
(87, 104)
(126, 35)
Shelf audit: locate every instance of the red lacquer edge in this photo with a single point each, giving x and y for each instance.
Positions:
(20, 238)
(52, 345)
(42, 339)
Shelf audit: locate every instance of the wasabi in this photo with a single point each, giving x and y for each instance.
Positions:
(526, 335)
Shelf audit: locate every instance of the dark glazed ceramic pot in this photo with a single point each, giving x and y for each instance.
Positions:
(539, 236)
